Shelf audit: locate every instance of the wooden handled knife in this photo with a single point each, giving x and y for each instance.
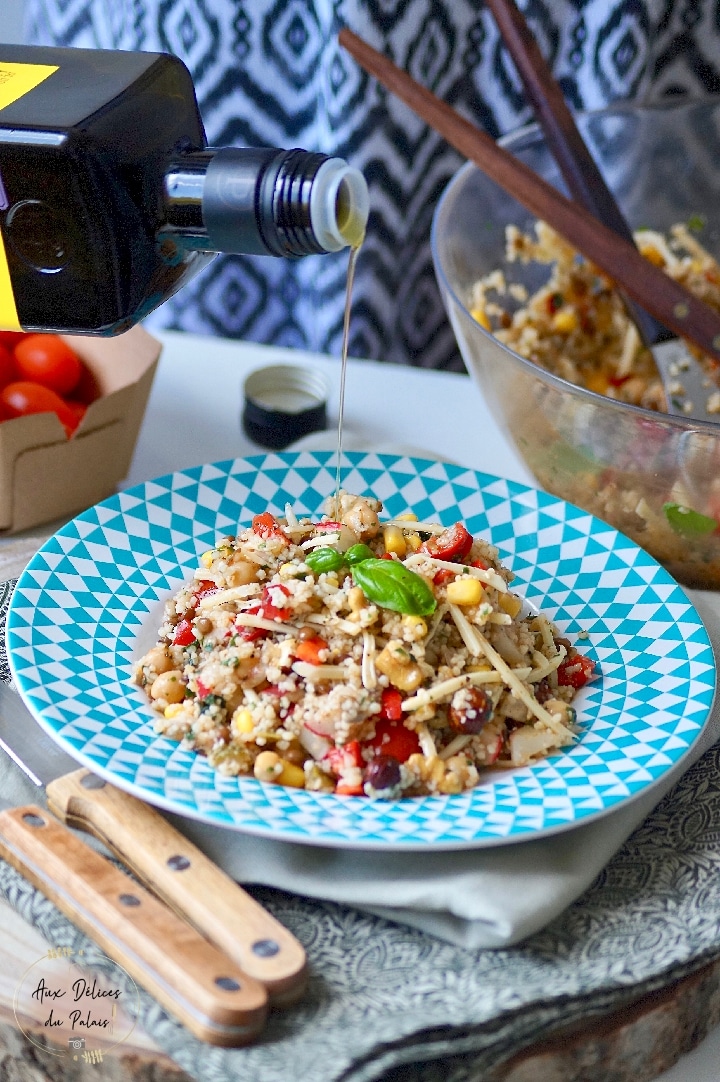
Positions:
(159, 855)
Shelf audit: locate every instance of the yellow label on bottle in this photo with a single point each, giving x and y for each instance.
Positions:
(8, 312)
(19, 79)
(15, 81)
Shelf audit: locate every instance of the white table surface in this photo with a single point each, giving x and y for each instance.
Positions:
(194, 416)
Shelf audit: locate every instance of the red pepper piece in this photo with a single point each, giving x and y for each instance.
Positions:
(452, 544)
(343, 757)
(326, 526)
(443, 575)
(184, 634)
(250, 634)
(202, 689)
(574, 672)
(392, 738)
(270, 610)
(266, 526)
(343, 788)
(310, 649)
(390, 705)
(204, 588)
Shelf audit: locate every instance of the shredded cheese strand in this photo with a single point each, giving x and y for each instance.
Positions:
(368, 671)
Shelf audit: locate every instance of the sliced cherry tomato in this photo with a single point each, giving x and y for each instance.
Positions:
(267, 526)
(184, 634)
(310, 650)
(392, 738)
(452, 544)
(574, 672)
(270, 610)
(22, 398)
(390, 705)
(47, 359)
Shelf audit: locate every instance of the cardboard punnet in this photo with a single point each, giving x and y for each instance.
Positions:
(45, 476)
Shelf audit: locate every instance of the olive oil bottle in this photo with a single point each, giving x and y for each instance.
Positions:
(110, 198)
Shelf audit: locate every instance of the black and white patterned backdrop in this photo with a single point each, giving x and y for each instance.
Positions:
(270, 73)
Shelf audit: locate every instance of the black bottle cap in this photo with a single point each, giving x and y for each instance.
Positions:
(283, 403)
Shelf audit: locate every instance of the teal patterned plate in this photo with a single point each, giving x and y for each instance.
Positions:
(90, 602)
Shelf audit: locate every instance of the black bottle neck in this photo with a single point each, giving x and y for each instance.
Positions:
(264, 201)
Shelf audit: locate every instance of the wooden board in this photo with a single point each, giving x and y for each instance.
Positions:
(634, 1044)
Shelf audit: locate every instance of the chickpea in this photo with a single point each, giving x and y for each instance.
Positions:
(241, 572)
(168, 687)
(158, 659)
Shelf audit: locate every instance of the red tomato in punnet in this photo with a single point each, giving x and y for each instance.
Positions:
(21, 398)
(38, 374)
(47, 359)
(8, 371)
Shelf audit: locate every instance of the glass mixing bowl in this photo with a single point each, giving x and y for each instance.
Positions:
(653, 476)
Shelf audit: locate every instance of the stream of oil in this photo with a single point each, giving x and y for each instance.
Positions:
(354, 251)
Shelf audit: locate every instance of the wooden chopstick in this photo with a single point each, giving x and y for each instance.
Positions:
(666, 299)
(584, 180)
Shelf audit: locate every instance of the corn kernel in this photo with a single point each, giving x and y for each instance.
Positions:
(408, 516)
(394, 541)
(207, 558)
(596, 381)
(414, 626)
(465, 590)
(413, 540)
(510, 604)
(291, 775)
(286, 570)
(480, 316)
(652, 254)
(172, 710)
(242, 721)
(565, 321)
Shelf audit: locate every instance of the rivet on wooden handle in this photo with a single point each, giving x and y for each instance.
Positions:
(179, 873)
(190, 977)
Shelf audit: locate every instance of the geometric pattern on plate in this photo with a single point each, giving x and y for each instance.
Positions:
(90, 601)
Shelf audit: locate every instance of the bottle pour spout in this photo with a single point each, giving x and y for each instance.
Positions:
(339, 205)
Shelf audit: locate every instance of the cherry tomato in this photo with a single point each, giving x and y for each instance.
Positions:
(23, 397)
(11, 338)
(266, 526)
(47, 359)
(452, 544)
(8, 371)
(79, 409)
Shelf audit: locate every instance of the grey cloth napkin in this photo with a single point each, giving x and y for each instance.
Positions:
(388, 1001)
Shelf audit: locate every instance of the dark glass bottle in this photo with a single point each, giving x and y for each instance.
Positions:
(110, 199)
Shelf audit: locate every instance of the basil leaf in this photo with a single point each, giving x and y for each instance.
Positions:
(356, 553)
(688, 523)
(391, 585)
(324, 559)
